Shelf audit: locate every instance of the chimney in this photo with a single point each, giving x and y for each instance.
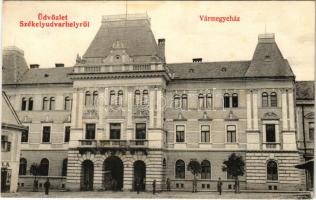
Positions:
(197, 60)
(266, 38)
(161, 48)
(59, 64)
(34, 66)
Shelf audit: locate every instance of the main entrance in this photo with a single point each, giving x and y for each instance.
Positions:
(139, 175)
(113, 173)
(87, 171)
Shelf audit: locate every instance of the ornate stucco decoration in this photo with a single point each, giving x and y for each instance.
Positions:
(90, 114)
(231, 117)
(67, 119)
(180, 117)
(117, 54)
(309, 115)
(270, 116)
(26, 119)
(205, 117)
(47, 120)
(141, 111)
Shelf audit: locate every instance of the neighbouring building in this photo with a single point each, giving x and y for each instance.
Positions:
(122, 116)
(11, 129)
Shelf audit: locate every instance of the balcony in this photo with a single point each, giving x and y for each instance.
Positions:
(113, 143)
(88, 143)
(271, 146)
(138, 143)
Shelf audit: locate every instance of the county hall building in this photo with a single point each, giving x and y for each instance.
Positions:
(122, 114)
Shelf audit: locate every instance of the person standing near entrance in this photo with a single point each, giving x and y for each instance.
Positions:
(219, 186)
(168, 184)
(47, 186)
(137, 185)
(154, 186)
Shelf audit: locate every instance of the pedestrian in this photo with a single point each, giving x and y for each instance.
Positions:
(219, 186)
(137, 185)
(236, 185)
(168, 184)
(47, 186)
(154, 186)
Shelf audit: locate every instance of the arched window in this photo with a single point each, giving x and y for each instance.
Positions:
(235, 100)
(209, 101)
(44, 167)
(30, 103)
(112, 97)
(64, 167)
(265, 99)
(23, 103)
(180, 169)
(67, 104)
(201, 101)
(274, 99)
(87, 98)
(95, 98)
(145, 97)
(226, 100)
(23, 165)
(205, 169)
(184, 103)
(164, 164)
(272, 170)
(52, 103)
(120, 97)
(137, 97)
(45, 103)
(176, 100)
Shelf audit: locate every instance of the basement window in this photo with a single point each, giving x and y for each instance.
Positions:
(223, 69)
(191, 70)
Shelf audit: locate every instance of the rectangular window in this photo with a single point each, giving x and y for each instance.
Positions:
(46, 134)
(140, 131)
(226, 101)
(180, 133)
(67, 134)
(90, 131)
(205, 133)
(235, 100)
(231, 133)
(25, 135)
(270, 133)
(5, 144)
(311, 130)
(115, 131)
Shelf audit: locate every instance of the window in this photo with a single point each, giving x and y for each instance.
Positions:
(67, 104)
(235, 100)
(270, 133)
(231, 133)
(205, 133)
(180, 133)
(52, 103)
(176, 100)
(95, 98)
(272, 170)
(67, 134)
(180, 169)
(25, 135)
(311, 130)
(64, 167)
(30, 103)
(112, 97)
(44, 167)
(265, 99)
(115, 131)
(209, 101)
(45, 103)
(226, 100)
(137, 97)
(23, 166)
(145, 97)
(87, 98)
(274, 100)
(90, 131)
(140, 131)
(201, 101)
(46, 134)
(205, 169)
(24, 102)
(120, 97)
(5, 144)
(184, 103)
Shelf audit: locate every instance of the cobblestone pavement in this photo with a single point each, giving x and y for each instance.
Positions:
(164, 195)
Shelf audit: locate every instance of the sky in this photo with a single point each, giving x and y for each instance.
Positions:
(179, 23)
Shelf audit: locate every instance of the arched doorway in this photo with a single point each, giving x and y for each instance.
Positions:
(139, 175)
(113, 173)
(87, 172)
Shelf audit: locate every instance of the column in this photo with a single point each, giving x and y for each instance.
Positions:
(249, 117)
(129, 128)
(100, 128)
(291, 110)
(255, 110)
(151, 108)
(284, 111)
(159, 108)
(80, 109)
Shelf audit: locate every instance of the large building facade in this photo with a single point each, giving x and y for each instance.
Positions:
(122, 115)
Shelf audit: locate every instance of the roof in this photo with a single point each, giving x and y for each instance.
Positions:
(305, 90)
(9, 116)
(46, 75)
(135, 34)
(209, 69)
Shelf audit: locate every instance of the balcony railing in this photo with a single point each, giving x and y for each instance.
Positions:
(88, 143)
(271, 146)
(113, 143)
(138, 143)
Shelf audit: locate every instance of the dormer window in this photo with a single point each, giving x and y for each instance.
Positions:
(267, 58)
(117, 57)
(191, 70)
